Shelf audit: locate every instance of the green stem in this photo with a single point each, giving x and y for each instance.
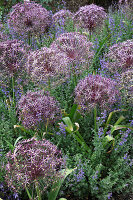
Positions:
(13, 92)
(29, 38)
(95, 120)
(30, 197)
(49, 84)
(37, 190)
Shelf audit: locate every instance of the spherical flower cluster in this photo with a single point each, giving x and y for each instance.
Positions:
(31, 161)
(46, 63)
(120, 57)
(29, 17)
(77, 48)
(38, 107)
(127, 83)
(90, 16)
(62, 16)
(12, 54)
(95, 90)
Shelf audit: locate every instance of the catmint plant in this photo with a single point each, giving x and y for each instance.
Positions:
(33, 161)
(38, 107)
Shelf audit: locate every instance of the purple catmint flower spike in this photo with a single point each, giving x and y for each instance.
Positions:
(89, 17)
(96, 90)
(29, 17)
(33, 160)
(37, 107)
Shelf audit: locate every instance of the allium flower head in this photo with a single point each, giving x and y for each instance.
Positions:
(46, 63)
(12, 53)
(76, 46)
(90, 16)
(62, 16)
(29, 17)
(31, 161)
(120, 57)
(36, 107)
(127, 83)
(95, 90)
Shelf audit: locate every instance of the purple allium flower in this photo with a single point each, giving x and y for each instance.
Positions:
(90, 16)
(95, 90)
(120, 57)
(46, 63)
(127, 84)
(77, 48)
(62, 16)
(31, 161)
(36, 107)
(12, 54)
(29, 17)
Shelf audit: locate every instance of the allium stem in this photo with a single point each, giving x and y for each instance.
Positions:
(95, 116)
(29, 38)
(30, 197)
(13, 92)
(49, 84)
(37, 190)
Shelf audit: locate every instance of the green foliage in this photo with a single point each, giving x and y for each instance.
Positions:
(100, 151)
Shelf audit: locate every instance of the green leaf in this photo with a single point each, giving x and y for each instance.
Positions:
(109, 118)
(62, 199)
(74, 114)
(68, 122)
(73, 111)
(57, 185)
(17, 140)
(109, 138)
(118, 127)
(121, 118)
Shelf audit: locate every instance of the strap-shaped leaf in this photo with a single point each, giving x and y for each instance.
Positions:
(57, 185)
(68, 122)
(118, 127)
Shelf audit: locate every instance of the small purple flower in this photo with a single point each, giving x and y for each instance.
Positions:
(100, 132)
(125, 156)
(109, 195)
(62, 129)
(80, 175)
